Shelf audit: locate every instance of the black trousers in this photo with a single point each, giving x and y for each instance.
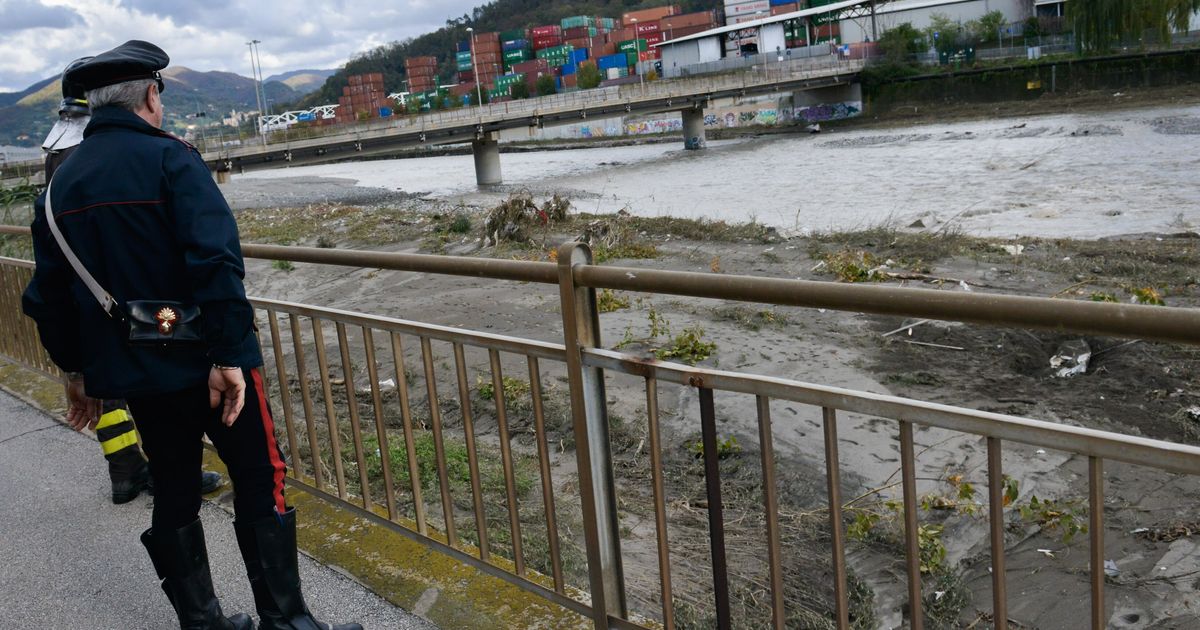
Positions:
(171, 426)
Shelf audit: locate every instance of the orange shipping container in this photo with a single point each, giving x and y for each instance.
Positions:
(780, 9)
(649, 15)
(706, 19)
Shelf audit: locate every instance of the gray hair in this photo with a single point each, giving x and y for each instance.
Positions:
(129, 95)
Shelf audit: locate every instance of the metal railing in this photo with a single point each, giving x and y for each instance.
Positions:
(346, 440)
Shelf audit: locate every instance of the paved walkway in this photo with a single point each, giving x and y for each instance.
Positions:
(70, 559)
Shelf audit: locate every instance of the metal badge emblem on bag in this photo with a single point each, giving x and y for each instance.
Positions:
(165, 316)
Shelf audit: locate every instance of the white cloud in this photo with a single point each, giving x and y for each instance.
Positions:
(208, 35)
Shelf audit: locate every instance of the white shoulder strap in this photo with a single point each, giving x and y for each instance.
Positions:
(106, 301)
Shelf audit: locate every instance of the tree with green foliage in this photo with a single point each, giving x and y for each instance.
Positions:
(1102, 24)
(588, 76)
(546, 85)
(519, 91)
(986, 29)
(900, 42)
(475, 95)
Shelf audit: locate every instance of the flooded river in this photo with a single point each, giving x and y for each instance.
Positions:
(1088, 175)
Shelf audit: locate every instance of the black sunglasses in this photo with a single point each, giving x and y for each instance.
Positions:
(161, 86)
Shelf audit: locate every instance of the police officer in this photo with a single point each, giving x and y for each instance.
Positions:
(142, 214)
(127, 468)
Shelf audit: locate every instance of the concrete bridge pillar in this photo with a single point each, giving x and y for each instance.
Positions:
(693, 128)
(487, 160)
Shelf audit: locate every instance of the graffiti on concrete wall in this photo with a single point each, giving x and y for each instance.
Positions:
(829, 111)
(665, 125)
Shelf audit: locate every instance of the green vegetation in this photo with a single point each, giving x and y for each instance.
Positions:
(519, 91)
(1104, 24)
(608, 301)
(546, 85)
(589, 76)
(283, 265)
(689, 347)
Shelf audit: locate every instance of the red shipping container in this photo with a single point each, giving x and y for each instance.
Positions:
(647, 55)
(355, 79)
(532, 66)
(485, 58)
(548, 41)
(780, 9)
(645, 29)
(541, 31)
(622, 35)
(582, 42)
(415, 62)
(570, 80)
(707, 19)
(576, 32)
(828, 30)
(655, 38)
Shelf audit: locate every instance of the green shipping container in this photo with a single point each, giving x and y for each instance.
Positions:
(556, 51)
(513, 35)
(463, 67)
(463, 56)
(632, 45)
(633, 57)
(577, 21)
(509, 80)
(517, 56)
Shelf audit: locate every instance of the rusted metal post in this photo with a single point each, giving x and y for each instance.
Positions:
(1096, 535)
(996, 522)
(589, 415)
(716, 512)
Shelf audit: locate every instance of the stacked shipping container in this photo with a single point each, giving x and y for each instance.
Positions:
(364, 97)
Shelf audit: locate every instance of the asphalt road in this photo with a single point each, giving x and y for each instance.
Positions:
(71, 560)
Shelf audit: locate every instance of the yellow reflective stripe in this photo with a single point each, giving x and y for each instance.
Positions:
(116, 416)
(128, 438)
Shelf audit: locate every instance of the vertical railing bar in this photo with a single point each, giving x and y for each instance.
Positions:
(464, 395)
(385, 457)
(439, 447)
(912, 543)
(716, 519)
(660, 504)
(771, 508)
(414, 470)
(285, 393)
(996, 526)
(352, 405)
(1096, 539)
(314, 447)
(543, 448)
(510, 487)
(833, 477)
(335, 436)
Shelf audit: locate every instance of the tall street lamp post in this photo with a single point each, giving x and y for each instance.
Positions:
(475, 67)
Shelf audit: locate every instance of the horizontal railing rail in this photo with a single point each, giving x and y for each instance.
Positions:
(354, 440)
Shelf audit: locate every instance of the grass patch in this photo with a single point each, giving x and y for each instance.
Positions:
(750, 318)
(912, 250)
(283, 265)
(608, 301)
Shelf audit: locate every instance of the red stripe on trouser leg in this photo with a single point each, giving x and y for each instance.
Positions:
(272, 445)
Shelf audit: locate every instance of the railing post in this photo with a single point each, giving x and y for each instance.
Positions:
(581, 329)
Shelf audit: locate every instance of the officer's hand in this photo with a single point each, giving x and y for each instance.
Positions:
(230, 386)
(82, 410)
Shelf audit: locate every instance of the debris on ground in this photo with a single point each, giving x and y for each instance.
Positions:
(1071, 358)
(514, 218)
(1171, 533)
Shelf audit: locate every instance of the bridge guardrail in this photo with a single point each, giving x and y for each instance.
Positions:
(339, 447)
(632, 93)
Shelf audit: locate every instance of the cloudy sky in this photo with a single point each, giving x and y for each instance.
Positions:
(39, 37)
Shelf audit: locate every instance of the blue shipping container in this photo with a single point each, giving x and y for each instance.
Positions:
(464, 46)
(384, 112)
(306, 117)
(569, 68)
(578, 55)
(776, 3)
(515, 44)
(619, 60)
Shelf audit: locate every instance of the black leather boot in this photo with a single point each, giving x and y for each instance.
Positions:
(269, 550)
(129, 474)
(181, 561)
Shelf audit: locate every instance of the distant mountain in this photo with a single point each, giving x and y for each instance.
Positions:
(10, 98)
(26, 116)
(302, 81)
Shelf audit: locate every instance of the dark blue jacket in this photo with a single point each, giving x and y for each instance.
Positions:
(140, 209)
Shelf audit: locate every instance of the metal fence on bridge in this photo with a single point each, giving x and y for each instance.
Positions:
(386, 452)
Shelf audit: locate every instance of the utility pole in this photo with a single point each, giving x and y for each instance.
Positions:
(474, 67)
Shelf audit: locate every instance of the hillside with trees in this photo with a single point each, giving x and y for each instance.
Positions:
(500, 15)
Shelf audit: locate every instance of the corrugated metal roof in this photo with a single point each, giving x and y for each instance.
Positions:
(836, 6)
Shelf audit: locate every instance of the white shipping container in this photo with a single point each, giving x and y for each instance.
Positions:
(744, 8)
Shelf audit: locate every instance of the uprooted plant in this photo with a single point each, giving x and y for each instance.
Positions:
(515, 219)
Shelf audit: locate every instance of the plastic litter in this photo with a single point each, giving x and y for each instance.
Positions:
(1071, 358)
